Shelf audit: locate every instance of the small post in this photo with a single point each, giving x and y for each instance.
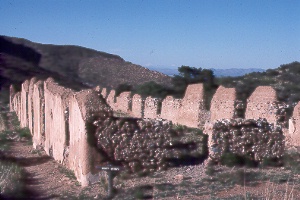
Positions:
(109, 169)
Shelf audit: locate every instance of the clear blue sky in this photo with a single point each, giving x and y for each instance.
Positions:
(200, 33)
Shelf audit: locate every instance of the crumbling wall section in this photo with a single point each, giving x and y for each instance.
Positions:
(110, 100)
(104, 93)
(12, 93)
(222, 104)
(30, 111)
(123, 102)
(192, 110)
(137, 106)
(294, 127)
(56, 116)
(170, 109)
(151, 108)
(24, 104)
(38, 101)
(262, 104)
(83, 157)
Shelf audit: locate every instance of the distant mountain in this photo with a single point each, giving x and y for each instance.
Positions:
(23, 59)
(233, 72)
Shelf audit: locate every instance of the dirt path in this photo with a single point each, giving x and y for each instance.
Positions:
(44, 178)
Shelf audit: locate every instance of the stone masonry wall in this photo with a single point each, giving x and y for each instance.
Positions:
(222, 104)
(261, 104)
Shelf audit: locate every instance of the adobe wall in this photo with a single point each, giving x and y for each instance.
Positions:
(82, 157)
(170, 109)
(30, 105)
(38, 101)
(151, 108)
(24, 104)
(110, 100)
(12, 93)
(192, 111)
(137, 106)
(261, 104)
(222, 104)
(123, 102)
(104, 93)
(294, 127)
(56, 114)
(16, 104)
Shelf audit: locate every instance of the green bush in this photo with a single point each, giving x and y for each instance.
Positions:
(230, 159)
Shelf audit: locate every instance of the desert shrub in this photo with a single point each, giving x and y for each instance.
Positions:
(10, 180)
(230, 159)
(123, 88)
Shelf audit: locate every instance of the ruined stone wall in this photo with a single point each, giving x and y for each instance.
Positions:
(170, 109)
(104, 93)
(110, 100)
(56, 114)
(151, 108)
(12, 93)
(261, 104)
(192, 111)
(30, 105)
(38, 101)
(24, 104)
(222, 104)
(83, 157)
(294, 127)
(123, 102)
(137, 109)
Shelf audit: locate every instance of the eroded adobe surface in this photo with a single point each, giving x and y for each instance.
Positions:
(151, 108)
(83, 157)
(294, 127)
(222, 104)
(137, 106)
(24, 104)
(38, 101)
(192, 106)
(30, 111)
(262, 104)
(170, 109)
(123, 102)
(56, 118)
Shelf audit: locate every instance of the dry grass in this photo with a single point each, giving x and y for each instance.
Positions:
(10, 179)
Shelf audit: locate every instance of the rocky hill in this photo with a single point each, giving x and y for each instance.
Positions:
(23, 58)
(283, 79)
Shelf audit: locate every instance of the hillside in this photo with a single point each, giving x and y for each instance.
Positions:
(74, 63)
(283, 79)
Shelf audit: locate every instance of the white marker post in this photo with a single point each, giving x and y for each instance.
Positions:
(109, 169)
